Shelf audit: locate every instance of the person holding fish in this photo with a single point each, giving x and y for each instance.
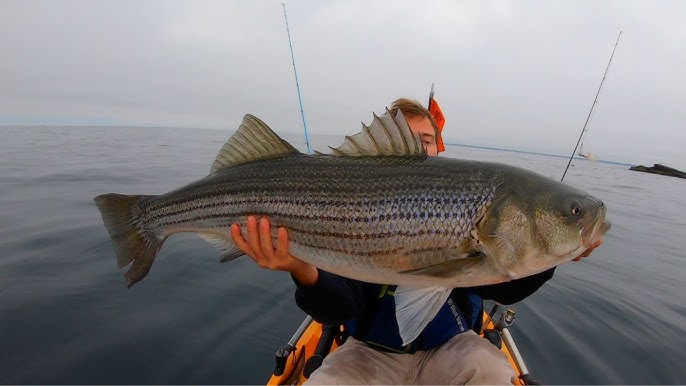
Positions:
(444, 350)
(445, 232)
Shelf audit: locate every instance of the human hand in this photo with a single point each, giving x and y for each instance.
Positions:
(588, 251)
(260, 247)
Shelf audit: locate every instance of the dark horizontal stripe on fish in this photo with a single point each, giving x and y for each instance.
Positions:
(467, 212)
(379, 253)
(346, 236)
(266, 192)
(382, 235)
(313, 177)
(224, 200)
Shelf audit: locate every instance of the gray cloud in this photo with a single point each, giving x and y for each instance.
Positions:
(512, 74)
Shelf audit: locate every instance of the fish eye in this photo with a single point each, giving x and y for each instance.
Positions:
(576, 209)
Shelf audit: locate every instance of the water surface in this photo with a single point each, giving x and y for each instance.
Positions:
(66, 316)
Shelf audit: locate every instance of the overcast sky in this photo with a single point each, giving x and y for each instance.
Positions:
(514, 74)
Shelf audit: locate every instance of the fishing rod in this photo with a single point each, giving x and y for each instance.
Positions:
(506, 320)
(502, 327)
(297, 83)
(285, 351)
(583, 130)
(431, 95)
(282, 354)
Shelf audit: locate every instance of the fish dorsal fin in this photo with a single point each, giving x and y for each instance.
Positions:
(386, 135)
(253, 141)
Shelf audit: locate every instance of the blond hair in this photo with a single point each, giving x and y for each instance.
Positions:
(412, 108)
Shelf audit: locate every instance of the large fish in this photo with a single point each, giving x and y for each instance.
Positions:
(377, 210)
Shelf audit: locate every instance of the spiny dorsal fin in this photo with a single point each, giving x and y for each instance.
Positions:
(386, 135)
(253, 141)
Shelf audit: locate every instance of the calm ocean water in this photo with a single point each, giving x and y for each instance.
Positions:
(66, 316)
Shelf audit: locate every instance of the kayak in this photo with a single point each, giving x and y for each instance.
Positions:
(312, 341)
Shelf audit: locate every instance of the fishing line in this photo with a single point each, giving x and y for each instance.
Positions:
(595, 101)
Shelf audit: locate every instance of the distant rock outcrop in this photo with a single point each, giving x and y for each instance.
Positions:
(659, 169)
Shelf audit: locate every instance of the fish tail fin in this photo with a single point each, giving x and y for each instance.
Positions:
(132, 242)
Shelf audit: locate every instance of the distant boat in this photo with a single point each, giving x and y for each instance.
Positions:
(586, 155)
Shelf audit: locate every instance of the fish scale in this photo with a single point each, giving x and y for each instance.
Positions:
(328, 202)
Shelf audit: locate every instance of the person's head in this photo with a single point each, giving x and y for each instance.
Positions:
(420, 120)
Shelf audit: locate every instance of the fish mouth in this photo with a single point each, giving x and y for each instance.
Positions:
(595, 231)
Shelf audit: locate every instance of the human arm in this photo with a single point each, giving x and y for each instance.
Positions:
(326, 297)
(335, 299)
(516, 290)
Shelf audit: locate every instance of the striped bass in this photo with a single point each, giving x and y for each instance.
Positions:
(377, 209)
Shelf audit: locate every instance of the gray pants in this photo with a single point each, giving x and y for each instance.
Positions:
(466, 359)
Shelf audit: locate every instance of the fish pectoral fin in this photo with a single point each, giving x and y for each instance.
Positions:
(449, 268)
(225, 245)
(416, 307)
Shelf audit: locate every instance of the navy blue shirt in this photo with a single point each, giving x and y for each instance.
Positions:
(369, 315)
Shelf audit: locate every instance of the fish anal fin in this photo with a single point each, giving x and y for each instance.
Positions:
(231, 255)
(224, 244)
